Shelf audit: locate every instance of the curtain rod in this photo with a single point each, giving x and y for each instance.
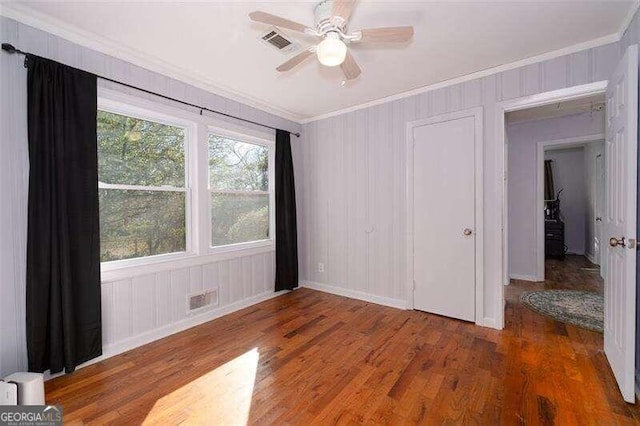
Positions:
(9, 48)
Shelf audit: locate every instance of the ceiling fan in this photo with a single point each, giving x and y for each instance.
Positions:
(332, 18)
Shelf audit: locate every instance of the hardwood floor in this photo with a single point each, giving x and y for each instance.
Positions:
(310, 357)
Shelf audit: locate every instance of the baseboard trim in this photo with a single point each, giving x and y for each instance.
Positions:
(159, 333)
(378, 300)
(524, 277)
(490, 323)
(591, 258)
(125, 345)
(355, 294)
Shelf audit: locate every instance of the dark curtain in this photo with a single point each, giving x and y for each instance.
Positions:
(549, 190)
(63, 249)
(286, 232)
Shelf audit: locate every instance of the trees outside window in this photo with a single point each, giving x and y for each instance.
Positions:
(239, 191)
(153, 191)
(142, 187)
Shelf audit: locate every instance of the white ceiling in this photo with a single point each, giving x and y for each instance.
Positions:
(215, 45)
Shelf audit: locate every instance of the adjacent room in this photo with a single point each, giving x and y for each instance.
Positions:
(556, 184)
(319, 212)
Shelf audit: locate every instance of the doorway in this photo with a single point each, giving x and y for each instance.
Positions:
(570, 194)
(550, 183)
(620, 208)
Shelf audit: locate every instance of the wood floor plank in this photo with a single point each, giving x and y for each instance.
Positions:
(313, 358)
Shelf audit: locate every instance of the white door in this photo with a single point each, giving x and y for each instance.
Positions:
(444, 218)
(599, 209)
(620, 221)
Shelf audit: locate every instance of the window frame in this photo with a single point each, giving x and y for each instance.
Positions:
(254, 140)
(197, 161)
(121, 104)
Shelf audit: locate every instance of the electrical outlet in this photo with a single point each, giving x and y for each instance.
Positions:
(320, 267)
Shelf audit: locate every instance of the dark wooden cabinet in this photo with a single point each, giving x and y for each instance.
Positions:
(554, 239)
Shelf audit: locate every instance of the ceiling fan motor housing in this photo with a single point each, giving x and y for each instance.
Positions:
(324, 23)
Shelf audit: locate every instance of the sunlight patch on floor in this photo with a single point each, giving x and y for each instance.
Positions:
(222, 396)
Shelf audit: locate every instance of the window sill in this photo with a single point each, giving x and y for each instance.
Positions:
(125, 270)
(242, 246)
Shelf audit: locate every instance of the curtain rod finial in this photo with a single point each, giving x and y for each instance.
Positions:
(9, 48)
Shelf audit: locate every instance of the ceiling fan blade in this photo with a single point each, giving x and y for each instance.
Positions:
(296, 60)
(267, 18)
(350, 67)
(343, 8)
(388, 34)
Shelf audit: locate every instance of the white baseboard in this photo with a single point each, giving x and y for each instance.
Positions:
(490, 322)
(524, 277)
(156, 334)
(355, 294)
(379, 300)
(159, 333)
(591, 258)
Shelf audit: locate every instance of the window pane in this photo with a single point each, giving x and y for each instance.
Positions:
(141, 223)
(239, 166)
(139, 152)
(239, 218)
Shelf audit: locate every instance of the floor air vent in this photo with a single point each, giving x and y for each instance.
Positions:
(276, 39)
(202, 300)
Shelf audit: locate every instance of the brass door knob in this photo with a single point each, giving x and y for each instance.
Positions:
(615, 242)
(467, 232)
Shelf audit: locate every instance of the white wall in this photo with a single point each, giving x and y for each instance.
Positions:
(14, 175)
(569, 175)
(136, 308)
(523, 138)
(351, 179)
(592, 150)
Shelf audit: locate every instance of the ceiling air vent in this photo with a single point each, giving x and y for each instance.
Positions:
(202, 300)
(277, 39)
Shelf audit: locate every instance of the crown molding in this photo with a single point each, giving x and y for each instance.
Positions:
(612, 38)
(602, 41)
(109, 47)
(629, 18)
(106, 46)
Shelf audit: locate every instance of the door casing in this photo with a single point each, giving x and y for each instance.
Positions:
(555, 96)
(564, 143)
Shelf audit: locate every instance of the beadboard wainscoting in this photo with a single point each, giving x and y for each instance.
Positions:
(352, 177)
(138, 308)
(144, 308)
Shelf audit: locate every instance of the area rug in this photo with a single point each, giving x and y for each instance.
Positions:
(580, 308)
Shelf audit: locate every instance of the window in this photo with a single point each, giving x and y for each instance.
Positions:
(176, 191)
(240, 191)
(143, 186)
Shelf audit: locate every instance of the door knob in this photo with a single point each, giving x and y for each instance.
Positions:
(614, 242)
(598, 219)
(467, 232)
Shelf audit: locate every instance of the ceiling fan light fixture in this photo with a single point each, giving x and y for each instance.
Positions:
(331, 51)
(332, 28)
